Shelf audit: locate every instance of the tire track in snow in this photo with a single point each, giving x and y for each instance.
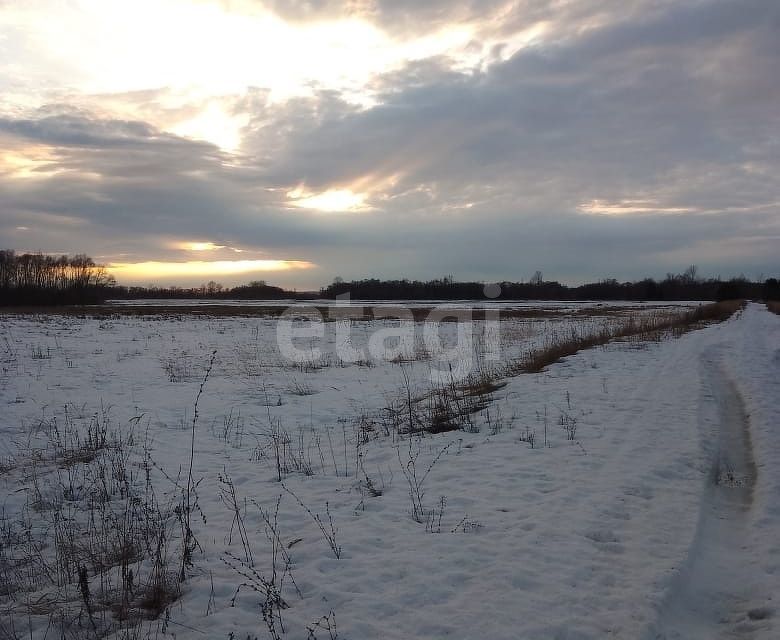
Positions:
(712, 594)
(614, 497)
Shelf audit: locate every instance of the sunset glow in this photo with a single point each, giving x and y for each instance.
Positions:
(627, 207)
(200, 268)
(89, 41)
(32, 162)
(391, 139)
(198, 246)
(329, 201)
(214, 125)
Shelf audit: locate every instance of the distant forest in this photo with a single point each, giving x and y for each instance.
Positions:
(255, 290)
(35, 279)
(685, 286)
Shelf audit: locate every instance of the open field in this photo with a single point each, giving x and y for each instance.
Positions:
(509, 471)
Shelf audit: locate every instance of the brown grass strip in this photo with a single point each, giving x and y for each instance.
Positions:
(651, 327)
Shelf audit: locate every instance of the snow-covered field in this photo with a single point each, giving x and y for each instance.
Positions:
(580, 502)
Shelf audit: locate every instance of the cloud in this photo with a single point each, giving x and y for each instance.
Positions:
(392, 15)
(114, 178)
(627, 141)
(619, 112)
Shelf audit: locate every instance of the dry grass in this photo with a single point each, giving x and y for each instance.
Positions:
(328, 313)
(773, 306)
(450, 406)
(89, 547)
(648, 328)
(716, 312)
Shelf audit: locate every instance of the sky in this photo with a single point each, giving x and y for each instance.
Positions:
(180, 141)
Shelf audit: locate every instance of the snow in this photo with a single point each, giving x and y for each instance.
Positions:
(583, 538)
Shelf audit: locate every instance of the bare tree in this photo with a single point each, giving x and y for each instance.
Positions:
(691, 274)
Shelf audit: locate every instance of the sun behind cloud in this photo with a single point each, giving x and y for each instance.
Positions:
(197, 246)
(332, 200)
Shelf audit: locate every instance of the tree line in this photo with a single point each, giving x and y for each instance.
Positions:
(39, 279)
(255, 290)
(685, 286)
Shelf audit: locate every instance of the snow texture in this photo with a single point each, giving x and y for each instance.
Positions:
(634, 528)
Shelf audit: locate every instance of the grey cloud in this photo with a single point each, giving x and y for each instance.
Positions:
(648, 108)
(599, 116)
(148, 180)
(393, 15)
(673, 105)
(75, 130)
(65, 126)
